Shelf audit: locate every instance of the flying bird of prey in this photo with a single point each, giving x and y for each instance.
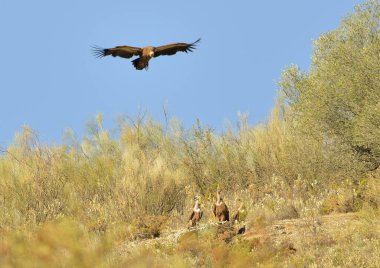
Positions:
(144, 54)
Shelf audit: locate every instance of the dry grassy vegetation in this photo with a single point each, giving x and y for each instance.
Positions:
(78, 204)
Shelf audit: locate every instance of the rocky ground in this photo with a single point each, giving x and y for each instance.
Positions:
(289, 233)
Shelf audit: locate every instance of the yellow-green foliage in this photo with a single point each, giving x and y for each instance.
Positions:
(338, 99)
(76, 204)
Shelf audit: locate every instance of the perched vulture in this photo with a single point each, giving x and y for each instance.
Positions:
(241, 213)
(220, 208)
(144, 54)
(196, 214)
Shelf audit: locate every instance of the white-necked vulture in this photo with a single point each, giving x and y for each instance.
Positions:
(240, 217)
(144, 54)
(241, 213)
(196, 214)
(220, 208)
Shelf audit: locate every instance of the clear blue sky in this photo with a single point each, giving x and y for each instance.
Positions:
(50, 81)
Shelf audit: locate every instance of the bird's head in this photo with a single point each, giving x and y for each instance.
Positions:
(218, 190)
(148, 52)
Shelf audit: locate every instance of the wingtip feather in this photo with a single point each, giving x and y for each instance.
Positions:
(193, 45)
(98, 52)
(198, 40)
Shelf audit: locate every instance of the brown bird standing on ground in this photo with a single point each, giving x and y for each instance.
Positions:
(145, 53)
(220, 208)
(241, 213)
(196, 215)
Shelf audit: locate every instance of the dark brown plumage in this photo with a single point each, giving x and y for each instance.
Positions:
(196, 214)
(220, 208)
(145, 53)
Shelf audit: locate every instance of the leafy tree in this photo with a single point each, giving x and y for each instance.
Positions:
(338, 100)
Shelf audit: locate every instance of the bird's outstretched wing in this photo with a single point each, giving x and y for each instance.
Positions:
(119, 51)
(171, 49)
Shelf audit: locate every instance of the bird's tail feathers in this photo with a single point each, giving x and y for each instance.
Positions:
(140, 64)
